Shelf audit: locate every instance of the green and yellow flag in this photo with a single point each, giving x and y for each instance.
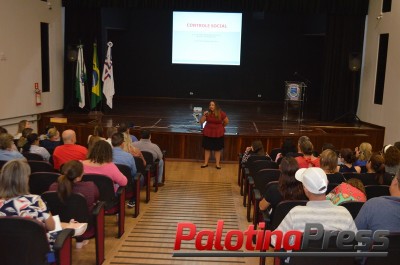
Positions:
(96, 87)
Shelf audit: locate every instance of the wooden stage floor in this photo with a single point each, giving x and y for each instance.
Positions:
(175, 129)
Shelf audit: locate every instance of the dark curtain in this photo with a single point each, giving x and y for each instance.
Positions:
(341, 86)
(345, 31)
(349, 7)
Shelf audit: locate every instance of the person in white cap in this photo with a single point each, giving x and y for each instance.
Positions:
(318, 209)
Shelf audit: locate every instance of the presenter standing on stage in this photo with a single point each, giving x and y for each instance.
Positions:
(213, 133)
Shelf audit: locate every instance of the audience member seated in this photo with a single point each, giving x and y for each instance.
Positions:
(288, 148)
(289, 188)
(69, 150)
(351, 190)
(363, 154)
(21, 126)
(52, 141)
(122, 157)
(376, 165)
(32, 146)
(145, 144)
(70, 181)
(318, 209)
(93, 140)
(307, 159)
(347, 157)
(256, 148)
(382, 213)
(24, 138)
(329, 163)
(128, 143)
(15, 199)
(97, 131)
(6, 148)
(99, 161)
(392, 159)
(110, 132)
(45, 134)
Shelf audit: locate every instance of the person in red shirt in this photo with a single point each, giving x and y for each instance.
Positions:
(69, 150)
(213, 133)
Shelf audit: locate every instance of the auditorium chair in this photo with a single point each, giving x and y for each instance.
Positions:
(40, 166)
(366, 178)
(132, 189)
(331, 186)
(376, 191)
(259, 181)
(335, 178)
(114, 201)
(393, 256)
(24, 241)
(353, 207)
(273, 220)
(2, 162)
(257, 198)
(152, 166)
(245, 170)
(145, 171)
(253, 168)
(32, 156)
(315, 246)
(40, 182)
(75, 207)
(348, 175)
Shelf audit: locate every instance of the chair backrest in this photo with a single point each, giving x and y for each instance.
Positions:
(281, 211)
(139, 165)
(331, 186)
(106, 188)
(40, 182)
(353, 207)
(126, 170)
(253, 158)
(2, 162)
(263, 177)
(393, 256)
(387, 178)
(335, 178)
(350, 175)
(40, 166)
(315, 246)
(23, 241)
(75, 207)
(32, 156)
(376, 191)
(369, 179)
(261, 164)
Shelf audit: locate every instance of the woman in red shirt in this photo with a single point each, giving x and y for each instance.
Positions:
(213, 133)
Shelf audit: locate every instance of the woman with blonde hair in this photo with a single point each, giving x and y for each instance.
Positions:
(21, 126)
(15, 199)
(363, 153)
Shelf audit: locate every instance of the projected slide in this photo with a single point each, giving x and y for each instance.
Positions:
(206, 38)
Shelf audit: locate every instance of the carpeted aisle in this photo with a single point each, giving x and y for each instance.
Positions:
(202, 203)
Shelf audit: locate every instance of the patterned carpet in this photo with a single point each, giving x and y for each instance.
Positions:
(152, 239)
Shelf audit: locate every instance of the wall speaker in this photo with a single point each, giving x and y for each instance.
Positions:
(354, 61)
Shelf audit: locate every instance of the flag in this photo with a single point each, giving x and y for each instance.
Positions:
(96, 87)
(80, 78)
(108, 77)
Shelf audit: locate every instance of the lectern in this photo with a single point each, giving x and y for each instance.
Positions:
(293, 107)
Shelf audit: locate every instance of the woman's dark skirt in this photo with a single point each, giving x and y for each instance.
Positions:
(214, 144)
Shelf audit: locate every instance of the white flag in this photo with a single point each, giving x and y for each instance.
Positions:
(108, 77)
(80, 78)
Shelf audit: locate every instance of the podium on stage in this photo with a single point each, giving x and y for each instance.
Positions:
(293, 107)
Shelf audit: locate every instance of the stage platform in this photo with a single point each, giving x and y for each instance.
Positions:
(175, 129)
